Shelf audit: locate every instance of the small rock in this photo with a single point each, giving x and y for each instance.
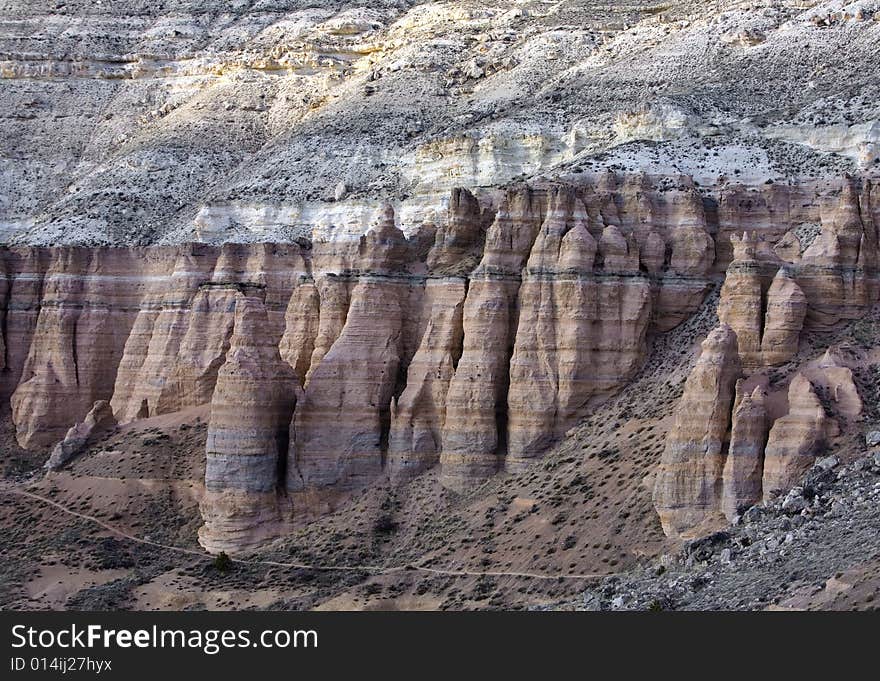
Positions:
(753, 514)
(794, 501)
(872, 438)
(827, 462)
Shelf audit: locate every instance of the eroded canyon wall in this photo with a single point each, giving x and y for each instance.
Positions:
(815, 276)
(472, 345)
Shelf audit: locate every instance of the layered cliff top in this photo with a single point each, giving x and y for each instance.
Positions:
(132, 122)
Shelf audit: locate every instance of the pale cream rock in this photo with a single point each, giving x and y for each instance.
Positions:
(98, 420)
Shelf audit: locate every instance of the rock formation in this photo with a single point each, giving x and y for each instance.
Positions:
(445, 344)
(838, 272)
(476, 404)
(688, 485)
(418, 415)
(786, 309)
(579, 332)
(99, 419)
(246, 447)
(766, 314)
(86, 312)
(795, 439)
(744, 465)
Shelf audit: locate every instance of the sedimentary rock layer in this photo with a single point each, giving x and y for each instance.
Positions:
(251, 407)
(473, 345)
(687, 489)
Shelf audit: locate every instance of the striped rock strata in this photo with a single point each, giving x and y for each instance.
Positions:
(251, 407)
(472, 345)
(687, 488)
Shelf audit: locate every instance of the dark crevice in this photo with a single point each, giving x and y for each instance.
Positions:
(4, 322)
(74, 351)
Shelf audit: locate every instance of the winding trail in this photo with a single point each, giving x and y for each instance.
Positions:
(375, 569)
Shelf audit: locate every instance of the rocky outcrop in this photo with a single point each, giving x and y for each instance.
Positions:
(339, 434)
(744, 465)
(831, 374)
(419, 414)
(786, 309)
(152, 348)
(796, 438)
(741, 303)
(247, 442)
(445, 344)
(98, 420)
(688, 484)
(183, 329)
(580, 332)
(457, 244)
(301, 327)
(838, 271)
(4, 295)
(766, 310)
(476, 404)
(87, 308)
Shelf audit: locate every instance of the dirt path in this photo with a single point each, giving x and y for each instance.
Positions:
(375, 569)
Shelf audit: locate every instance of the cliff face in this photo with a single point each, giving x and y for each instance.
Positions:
(772, 290)
(251, 407)
(687, 491)
(473, 345)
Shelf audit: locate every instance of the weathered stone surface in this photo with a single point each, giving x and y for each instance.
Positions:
(419, 414)
(4, 296)
(740, 305)
(182, 331)
(766, 316)
(404, 366)
(341, 422)
(838, 271)
(744, 465)
(99, 419)
(301, 328)
(783, 320)
(831, 373)
(88, 305)
(457, 243)
(795, 439)
(251, 409)
(688, 485)
(151, 351)
(334, 300)
(476, 403)
(578, 335)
